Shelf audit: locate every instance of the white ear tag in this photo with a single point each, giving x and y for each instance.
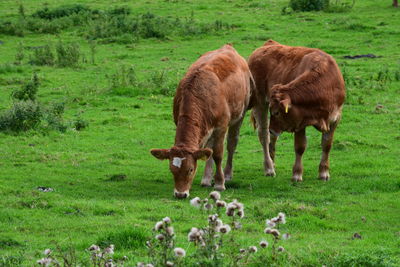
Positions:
(177, 162)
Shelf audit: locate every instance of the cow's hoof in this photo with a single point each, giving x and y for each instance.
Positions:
(324, 176)
(219, 187)
(297, 178)
(228, 177)
(205, 184)
(270, 172)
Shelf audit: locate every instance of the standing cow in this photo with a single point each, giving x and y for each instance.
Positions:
(303, 87)
(212, 97)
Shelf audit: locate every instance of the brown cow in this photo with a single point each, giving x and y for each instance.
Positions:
(303, 87)
(212, 97)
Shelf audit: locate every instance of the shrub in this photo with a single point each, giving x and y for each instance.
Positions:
(80, 124)
(308, 5)
(23, 116)
(12, 28)
(28, 90)
(68, 54)
(61, 11)
(53, 115)
(19, 56)
(42, 55)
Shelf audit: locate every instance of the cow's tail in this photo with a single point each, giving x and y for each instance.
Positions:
(253, 120)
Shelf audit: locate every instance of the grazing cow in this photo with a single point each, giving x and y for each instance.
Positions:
(212, 97)
(303, 87)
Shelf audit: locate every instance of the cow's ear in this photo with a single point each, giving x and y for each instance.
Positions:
(285, 104)
(160, 153)
(203, 154)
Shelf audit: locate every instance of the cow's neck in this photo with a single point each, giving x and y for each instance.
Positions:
(191, 129)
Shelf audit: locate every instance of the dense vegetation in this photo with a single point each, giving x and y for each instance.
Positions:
(86, 89)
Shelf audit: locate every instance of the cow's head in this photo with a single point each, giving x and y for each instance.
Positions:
(183, 165)
(284, 115)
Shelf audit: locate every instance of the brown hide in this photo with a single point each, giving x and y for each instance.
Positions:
(309, 77)
(212, 96)
(303, 87)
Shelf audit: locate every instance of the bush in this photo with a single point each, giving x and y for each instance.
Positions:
(61, 11)
(23, 116)
(28, 90)
(68, 54)
(308, 5)
(12, 28)
(42, 55)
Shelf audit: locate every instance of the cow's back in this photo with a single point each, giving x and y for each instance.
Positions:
(219, 83)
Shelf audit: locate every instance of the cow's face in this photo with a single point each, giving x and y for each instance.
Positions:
(284, 115)
(183, 165)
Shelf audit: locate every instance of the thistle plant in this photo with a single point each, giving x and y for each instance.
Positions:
(273, 230)
(161, 248)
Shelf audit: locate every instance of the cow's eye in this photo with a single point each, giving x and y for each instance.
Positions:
(190, 171)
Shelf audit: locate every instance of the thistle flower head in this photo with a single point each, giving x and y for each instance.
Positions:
(215, 195)
(242, 250)
(169, 264)
(263, 244)
(140, 264)
(47, 252)
(109, 263)
(159, 225)
(270, 223)
(167, 220)
(224, 229)
(220, 204)
(160, 237)
(281, 249)
(208, 206)
(273, 232)
(282, 217)
(286, 236)
(195, 235)
(109, 249)
(213, 218)
(149, 265)
(170, 230)
(179, 252)
(252, 249)
(94, 248)
(44, 261)
(195, 202)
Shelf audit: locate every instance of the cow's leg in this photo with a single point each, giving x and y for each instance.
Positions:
(272, 142)
(326, 144)
(208, 173)
(208, 170)
(300, 143)
(261, 116)
(233, 139)
(218, 153)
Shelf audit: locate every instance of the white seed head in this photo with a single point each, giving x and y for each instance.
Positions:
(225, 229)
(215, 195)
(159, 225)
(149, 265)
(242, 250)
(286, 236)
(109, 249)
(253, 249)
(281, 249)
(282, 217)
(47, 252)
(167, 220)
(94, 248)
(170, 230)
(160, 237)
(270, 223)
(220, 204)
(179, 252)
(169, 264)
(195, 202)
(140, 264)
(44, 261)
(263, 244)
(218, 223)
(208, 206)
(213, 218)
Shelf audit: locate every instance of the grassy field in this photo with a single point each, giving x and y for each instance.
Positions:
(109, 189)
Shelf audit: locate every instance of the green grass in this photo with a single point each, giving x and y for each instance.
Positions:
(109, 189)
